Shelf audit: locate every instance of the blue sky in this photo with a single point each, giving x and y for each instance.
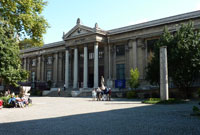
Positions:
(109, 14)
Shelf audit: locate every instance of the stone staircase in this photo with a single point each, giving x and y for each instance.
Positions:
(62, 94)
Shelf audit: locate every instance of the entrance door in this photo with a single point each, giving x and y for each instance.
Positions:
(91, 81)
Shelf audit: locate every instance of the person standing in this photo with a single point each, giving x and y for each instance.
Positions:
(64, 87)
(58, 91)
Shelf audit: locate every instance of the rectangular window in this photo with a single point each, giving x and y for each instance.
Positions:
(150, 49)
(33, 62)
(49, 75)
(151, 44)
(120, 72)
(101, 54)
(49, 60)
(81, 55)
(91, 56)
(120, 50)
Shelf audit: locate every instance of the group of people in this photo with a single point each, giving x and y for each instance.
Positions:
(16, 100)
(101, 94)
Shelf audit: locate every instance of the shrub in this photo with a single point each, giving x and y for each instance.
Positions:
(198, 92)
(5, 101)
(134, 81)
(195, 109)
(36, 93)
(158, 101)
(131, 94)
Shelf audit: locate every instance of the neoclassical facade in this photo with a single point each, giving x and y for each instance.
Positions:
(86, 53)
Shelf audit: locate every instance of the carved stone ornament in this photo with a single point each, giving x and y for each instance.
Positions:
(78, 21)
(96, 26)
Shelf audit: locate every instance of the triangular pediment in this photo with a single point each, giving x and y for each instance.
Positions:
(78, 30)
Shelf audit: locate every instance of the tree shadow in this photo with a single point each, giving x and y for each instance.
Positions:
(149, 119)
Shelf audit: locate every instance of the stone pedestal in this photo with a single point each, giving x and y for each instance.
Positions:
(163, 74)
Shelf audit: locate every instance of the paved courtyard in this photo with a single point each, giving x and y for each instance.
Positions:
(82, 116)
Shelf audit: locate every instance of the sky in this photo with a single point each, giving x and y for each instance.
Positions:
(109, 14)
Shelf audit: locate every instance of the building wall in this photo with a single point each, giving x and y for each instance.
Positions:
(133, 39)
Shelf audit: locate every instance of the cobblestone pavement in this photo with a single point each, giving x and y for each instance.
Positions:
(82, 116)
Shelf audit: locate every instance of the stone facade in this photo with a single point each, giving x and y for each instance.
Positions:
(86, 54)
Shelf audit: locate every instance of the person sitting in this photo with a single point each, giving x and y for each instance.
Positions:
(19, 102)
(12, 101)
(94, 94)
(25, 101)
(99, 94)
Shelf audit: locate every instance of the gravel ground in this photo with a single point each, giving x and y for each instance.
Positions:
(82, 116)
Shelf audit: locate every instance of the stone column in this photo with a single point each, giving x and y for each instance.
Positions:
(38, 68)
(75, 82)
(134, 46)
(55, 68)
(24, 63)
(85, 73)
(42, 70)
(60, 57)
(28, 64)
(67, 68)
(96, 66)
(163, 74)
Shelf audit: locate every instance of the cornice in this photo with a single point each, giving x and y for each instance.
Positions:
(162, 21)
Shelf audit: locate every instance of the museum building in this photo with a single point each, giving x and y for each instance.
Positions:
(85, 54)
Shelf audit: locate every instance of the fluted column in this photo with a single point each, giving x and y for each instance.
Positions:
(85, 73)
(96, 66)
(38, 68)
(75, 82)
(42, 70)
(28, 64)
(67, 68)
(24, 63)
(55, 68)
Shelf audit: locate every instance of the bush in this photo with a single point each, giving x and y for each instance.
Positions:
(131, 94)
(5, 101)
(158, 101)
(36, 93)
(134, 81)
(198, 92)
(195, 109)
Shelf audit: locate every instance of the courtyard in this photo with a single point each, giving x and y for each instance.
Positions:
(82, 116)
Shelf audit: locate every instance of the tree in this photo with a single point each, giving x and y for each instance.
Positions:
(20, 20)
(24, 16)
(10, 63)
(134, 81)
(183, 50)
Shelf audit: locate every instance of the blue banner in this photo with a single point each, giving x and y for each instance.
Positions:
(120, 83)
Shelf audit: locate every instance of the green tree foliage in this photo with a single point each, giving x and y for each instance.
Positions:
(10, 63)
(183, 50)
(134, 81)
(25, 18)
(153, 68)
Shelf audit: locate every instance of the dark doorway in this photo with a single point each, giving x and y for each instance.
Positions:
(91, 81)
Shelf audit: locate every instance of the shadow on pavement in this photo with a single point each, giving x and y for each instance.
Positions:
(151, 119)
